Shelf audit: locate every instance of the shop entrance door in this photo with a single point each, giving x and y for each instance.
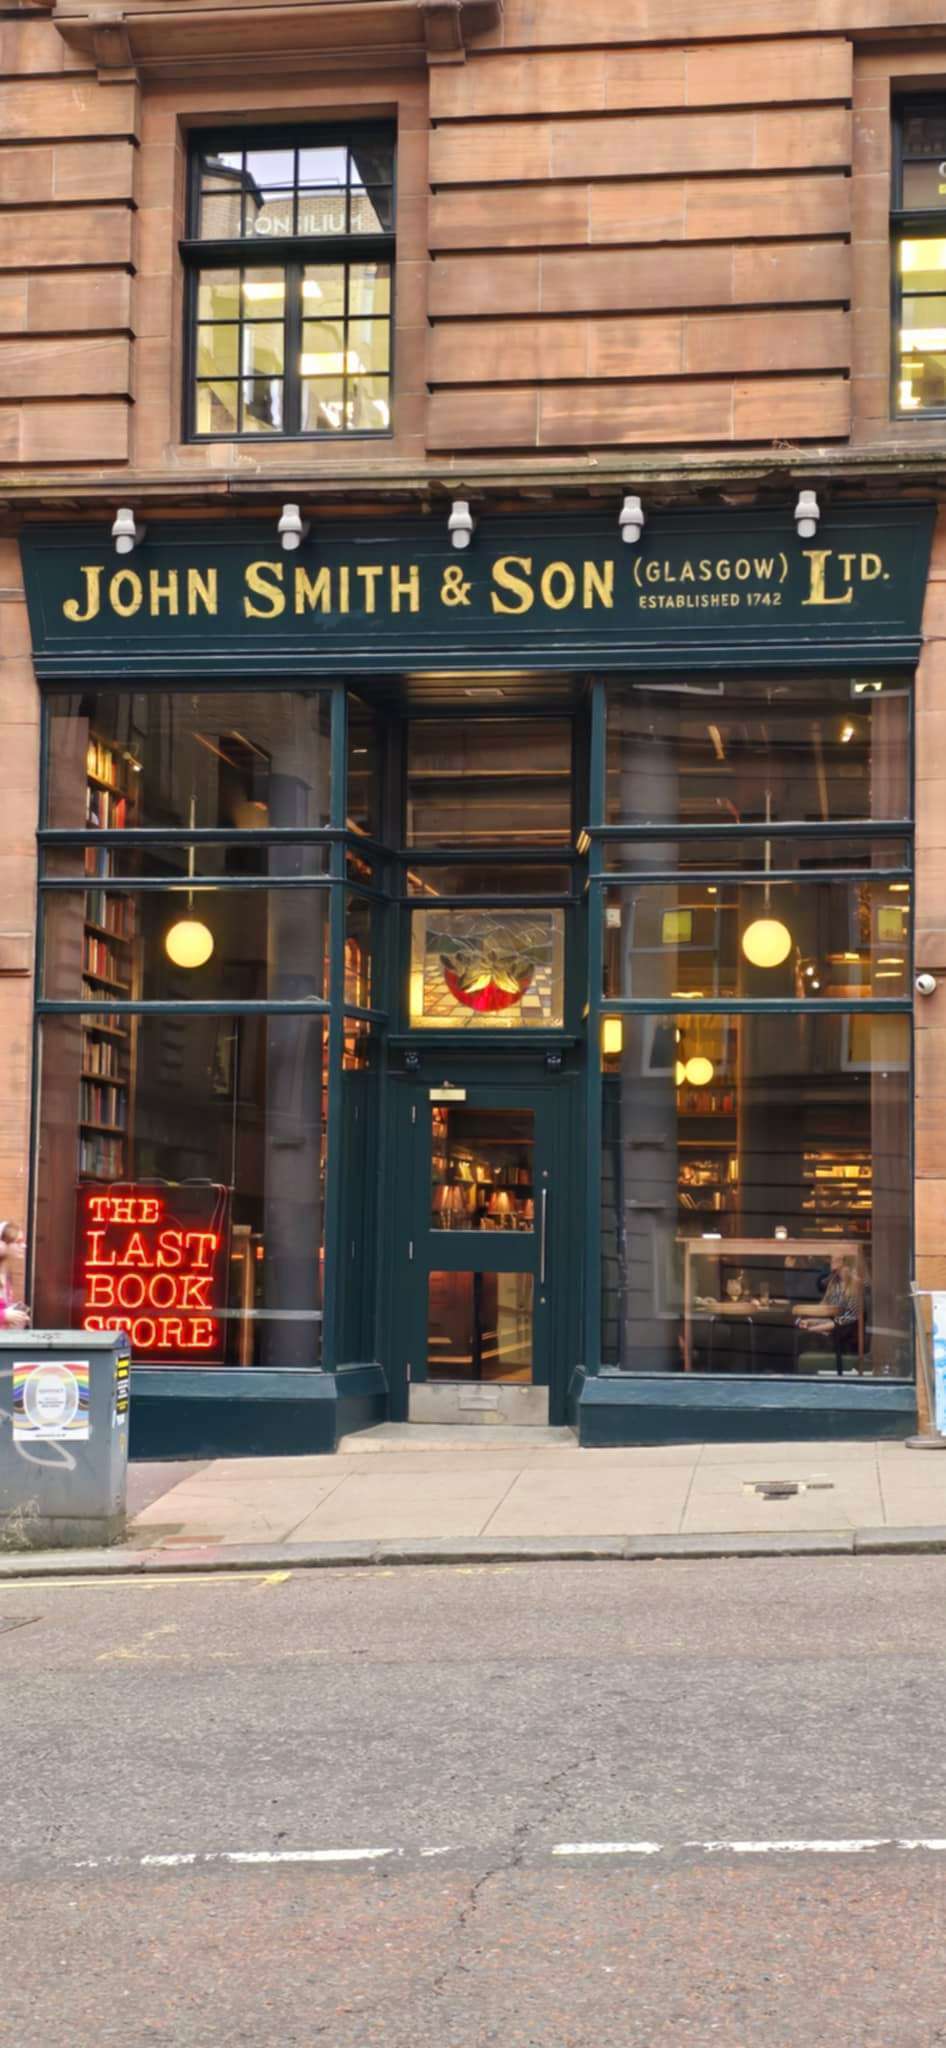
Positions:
(484, 1248)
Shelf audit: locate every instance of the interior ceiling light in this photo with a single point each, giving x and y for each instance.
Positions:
(189, 942)
(767, 942)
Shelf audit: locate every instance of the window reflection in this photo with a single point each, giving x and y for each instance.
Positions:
(811, 941)
(756, 1193)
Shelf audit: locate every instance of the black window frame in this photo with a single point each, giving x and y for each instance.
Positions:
(290, 253)
(907, 222)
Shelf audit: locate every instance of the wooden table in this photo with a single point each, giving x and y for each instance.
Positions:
(771, 1249)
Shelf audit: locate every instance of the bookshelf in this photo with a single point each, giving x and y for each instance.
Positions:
(107, 973)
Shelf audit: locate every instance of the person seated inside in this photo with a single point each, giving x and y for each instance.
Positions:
(841, 1301)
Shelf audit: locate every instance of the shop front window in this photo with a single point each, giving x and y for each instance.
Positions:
(755, 1193)
(227, 760)
(195, 1217)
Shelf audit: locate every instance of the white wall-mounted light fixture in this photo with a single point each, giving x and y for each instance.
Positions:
(807, 515)
(632, 519)
(126, 532)
(460, 523)
(926, 984)
(292, 528)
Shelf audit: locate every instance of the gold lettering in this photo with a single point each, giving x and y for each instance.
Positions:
(871, 567)
(597, 583)
(505, 574)
(344, 586)
(405, 586)
(158, 591)
(817, 592)
(313, 592)
(201, 590)
(257, 580)
(369, 573)
(557, 573)
(686, 573)
(125, 607)
(93, 596)
(847, 566)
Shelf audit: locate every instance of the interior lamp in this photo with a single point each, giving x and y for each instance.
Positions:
(766, 942)
(189, 942)
(699, 1071)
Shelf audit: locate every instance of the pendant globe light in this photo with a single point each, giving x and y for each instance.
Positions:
(767, 942)
(189, 942)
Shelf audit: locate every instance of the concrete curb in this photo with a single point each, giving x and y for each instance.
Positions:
(456, 1550)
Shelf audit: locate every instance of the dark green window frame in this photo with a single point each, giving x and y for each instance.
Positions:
(290, 254)
(910, 223)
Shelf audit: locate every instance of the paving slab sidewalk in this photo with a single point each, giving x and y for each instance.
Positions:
(537, 1486)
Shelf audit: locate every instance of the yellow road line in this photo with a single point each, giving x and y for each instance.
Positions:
(150, 1579)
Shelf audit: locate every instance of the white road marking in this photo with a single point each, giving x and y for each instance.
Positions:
(607, 1848)
(795, 1845)
(797, 1848)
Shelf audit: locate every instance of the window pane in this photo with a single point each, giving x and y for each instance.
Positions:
(262, 349)
(217, 351)
(479, 1326)
(480, 878)
(755, 1198)
(266, 167)
(365, 761)
(324, 164)
(225, 758)
(924, 131)
(216, 409)
(186, 945)
(369, 345)
(218, 294)
(323, 405)
(488, 779)
(482, 1169)
(220, 215)
(269, 214)
(924, 185)
(372, 162)
(368, 408)
(922, 342)
(264, 294)
(221, 1140)
(369, 288)
(219, 167)
(736, 752)
(262, 406)
(323, 348)
(739, 938)
(169, 861)
(322, 213)
(323, 289)
(372, 213)
(741, 852)
(923, 266)
(498, 969)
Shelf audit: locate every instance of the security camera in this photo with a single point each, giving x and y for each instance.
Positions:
(925, 984)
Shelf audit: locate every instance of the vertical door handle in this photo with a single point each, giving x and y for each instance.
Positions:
(543, 1226)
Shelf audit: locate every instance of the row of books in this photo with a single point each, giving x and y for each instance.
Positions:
(102, 959)
(102, 1158)
(101, 1056)
(113, 913)
(100, 761)
(105, 809)
(103, 1102)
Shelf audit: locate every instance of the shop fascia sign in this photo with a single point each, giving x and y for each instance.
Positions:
(694, 587)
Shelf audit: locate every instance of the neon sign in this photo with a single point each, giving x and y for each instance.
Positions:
(150, 1262)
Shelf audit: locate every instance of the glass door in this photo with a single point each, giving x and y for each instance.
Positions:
(477, 1264)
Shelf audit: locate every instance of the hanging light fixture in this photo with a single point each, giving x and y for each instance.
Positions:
(766, 942)
(699, 1071)
(190, 942)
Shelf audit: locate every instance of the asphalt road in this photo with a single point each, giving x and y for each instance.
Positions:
(565, 1787)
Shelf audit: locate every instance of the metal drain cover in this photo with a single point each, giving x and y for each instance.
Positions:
(785, 1489)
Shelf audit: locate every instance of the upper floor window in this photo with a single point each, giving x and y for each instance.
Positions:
(290, 253)
(919, 247)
